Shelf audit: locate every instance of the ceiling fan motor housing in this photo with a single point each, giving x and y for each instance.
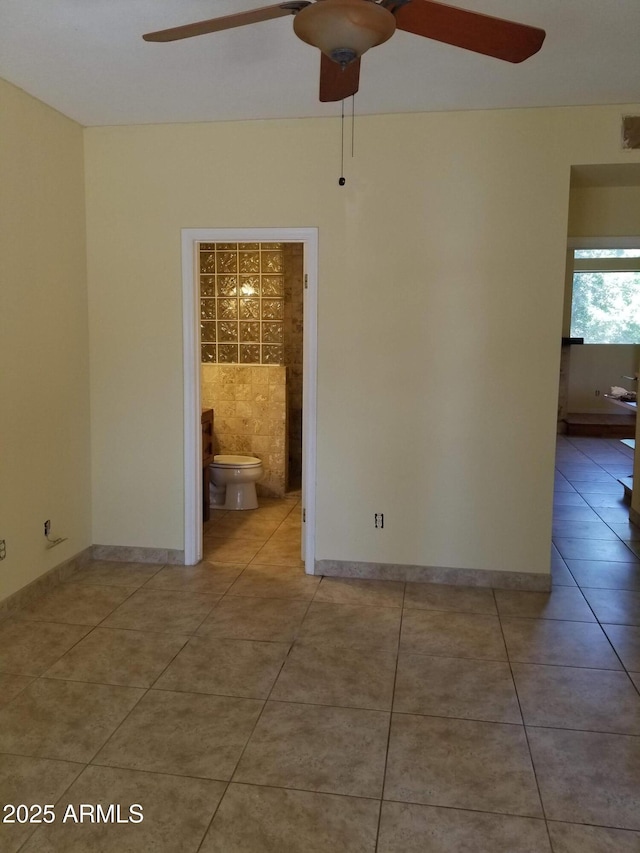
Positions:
(344, 29)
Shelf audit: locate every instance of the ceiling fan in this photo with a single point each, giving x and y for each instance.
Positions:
(344, 29)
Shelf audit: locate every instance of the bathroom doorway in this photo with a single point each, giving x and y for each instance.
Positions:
(269, 340)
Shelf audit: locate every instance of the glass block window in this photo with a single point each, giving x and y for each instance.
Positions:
(242, 303)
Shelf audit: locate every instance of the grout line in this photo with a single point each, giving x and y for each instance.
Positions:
(524, 729)
(258, 718)
(391, 712)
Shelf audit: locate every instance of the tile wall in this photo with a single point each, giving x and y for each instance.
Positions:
(250, 407)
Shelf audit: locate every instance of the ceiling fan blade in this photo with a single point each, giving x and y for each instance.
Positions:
(470, 30)
(227, 22)
(337, 82)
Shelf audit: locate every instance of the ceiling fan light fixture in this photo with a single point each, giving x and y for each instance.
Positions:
(344, 29)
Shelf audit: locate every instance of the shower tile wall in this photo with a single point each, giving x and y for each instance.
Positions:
(250, 416)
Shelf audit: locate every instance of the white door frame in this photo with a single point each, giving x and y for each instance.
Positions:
(191, 237)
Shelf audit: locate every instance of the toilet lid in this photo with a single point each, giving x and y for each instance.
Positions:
(230, 461)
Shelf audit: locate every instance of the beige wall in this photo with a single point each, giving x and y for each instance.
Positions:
(604, 212)
(249, 406)
(441, 272)
(44, 377)
(598, 367)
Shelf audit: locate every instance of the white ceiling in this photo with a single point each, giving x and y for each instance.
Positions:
(87, 59)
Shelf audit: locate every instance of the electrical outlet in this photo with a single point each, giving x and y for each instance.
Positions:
(47, 527)
(3, 549)
(378, 520)
(597, 393)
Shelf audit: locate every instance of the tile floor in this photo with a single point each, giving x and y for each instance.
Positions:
(252, 709)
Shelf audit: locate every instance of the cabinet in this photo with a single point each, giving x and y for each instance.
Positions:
(206, 420)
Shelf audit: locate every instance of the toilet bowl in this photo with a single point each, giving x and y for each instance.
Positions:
(233, 481)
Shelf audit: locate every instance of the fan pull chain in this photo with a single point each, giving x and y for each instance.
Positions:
(353, 123)
(342, 180)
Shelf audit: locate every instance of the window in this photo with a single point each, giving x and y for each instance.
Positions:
(605, 305)
(242, 289)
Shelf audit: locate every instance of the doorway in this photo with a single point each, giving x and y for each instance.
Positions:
(594, 455)
(191, 240)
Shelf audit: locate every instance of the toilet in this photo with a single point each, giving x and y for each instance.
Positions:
(233, 481)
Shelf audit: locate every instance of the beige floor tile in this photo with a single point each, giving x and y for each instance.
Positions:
(626, 641)
(626, 530)
(568, 499)
(574, 513)
(279, 508)
(603, 575)
(634, 546)
(406, 828)
(242, 525)
(461, 763)
(241, 668)
(282, 549)
(30, 781)
(352, 678)
(594, 549)
(615, 606)
(176, 813)
(548, 641)
(242, 618)
(29, 648)
(292, 523)
(455, 687)
(285, 821)
(114, 656)
(355, 591)
(351, 626)
(186, 734)
(11, 685)
(560, 574)
(64, 719)
(271, 581)
(218, 549)
(331, 750)
(579, 529)
(585, 777)
(577, 698)
(162, 610)
(436, 596)
(205, 578)
(113, 573)
(470, 635)
(76, 604)
(216, 515)
(563, 602)
(572, 838)
(291, 526)
(613, 511)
